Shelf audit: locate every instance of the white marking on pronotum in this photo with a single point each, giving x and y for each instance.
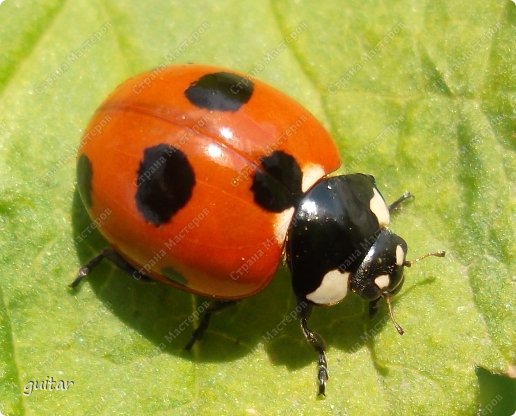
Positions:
(333, 288)
(382, 281)
(311, 174)
(281, 224)
(400, 255)
(380, 209)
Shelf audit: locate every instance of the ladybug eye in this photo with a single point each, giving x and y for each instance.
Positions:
(390, 284)
(395, 289)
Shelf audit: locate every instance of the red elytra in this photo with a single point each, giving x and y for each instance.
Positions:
(220, 243)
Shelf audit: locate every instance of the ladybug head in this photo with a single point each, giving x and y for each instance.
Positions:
(380, 275)
(381, 272)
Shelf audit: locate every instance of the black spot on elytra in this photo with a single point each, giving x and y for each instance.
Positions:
(84, 176)
(221, 91)
(277, 185)
(164, 184)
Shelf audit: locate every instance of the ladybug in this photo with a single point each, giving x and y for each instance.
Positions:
(205, 178)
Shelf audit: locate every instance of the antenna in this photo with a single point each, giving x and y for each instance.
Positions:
(396, 325)
(409, 263)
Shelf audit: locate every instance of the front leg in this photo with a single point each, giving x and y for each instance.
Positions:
(399, 201)
(317, 343)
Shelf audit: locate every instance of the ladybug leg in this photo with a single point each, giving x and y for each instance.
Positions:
(113, 257)
(400, 200)
(213, 307)
(373, 307)
(317, 343)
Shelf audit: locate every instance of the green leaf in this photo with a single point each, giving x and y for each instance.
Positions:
(419, 94)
